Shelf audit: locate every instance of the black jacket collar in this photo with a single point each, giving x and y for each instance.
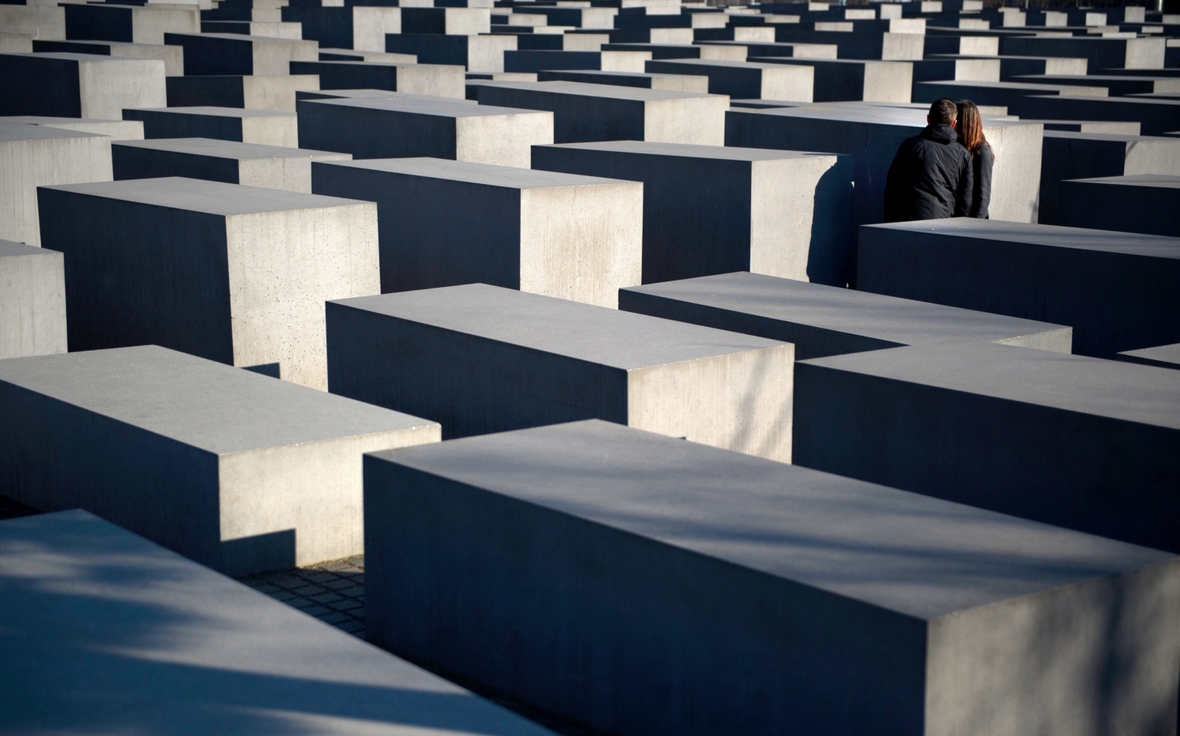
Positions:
(940, 133)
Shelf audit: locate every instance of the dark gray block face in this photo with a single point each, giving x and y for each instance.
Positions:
(689, 590)
(483, 53)
(255, 92)
(110, 22)
(714, 209)
(746, 80)
(79, 85)
(172, 56)
(822, 320)
(1082, 443)
(482, 359)
(1138, 204)
(568, 236)
(672, 82)
(850, 79)
(32, 301)
(437, 80)
(1164, 356)
(263, 127)
(238, 54)
(237, 471)
(1117, 290)
(232, 162)
(1101, 53)
(1155, 116)
(184, 645)
(231, 273)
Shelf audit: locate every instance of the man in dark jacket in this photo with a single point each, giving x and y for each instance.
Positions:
(931, 175)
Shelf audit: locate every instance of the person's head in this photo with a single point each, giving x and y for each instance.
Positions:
(970, 126)
(943, 112)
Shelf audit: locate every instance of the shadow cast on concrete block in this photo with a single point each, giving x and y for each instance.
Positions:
(831, 259)
(270, 551)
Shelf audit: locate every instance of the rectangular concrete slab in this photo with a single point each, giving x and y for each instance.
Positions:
(595, 112)
(32, 301)
(823, 320)
(746, 80)
(691, 590)
(414, 125)
(126, 24)
(239, 54)
(853, 79)
(1117, 290)
(263, 127)
(184, 645)
(483, 53)
(1082, 443)
(79, 85)
(1144, 203)
(482, 359)
(254, 91)
(715, 209)
(231, 273)
(436, 80)
(172, 56)
(117, 130)
(232, 162)
(453, 222)
(671, 82)
(1164, 356)
(234, 470)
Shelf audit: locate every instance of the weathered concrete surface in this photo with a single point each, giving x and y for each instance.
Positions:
(1143, 203)
(237, 54)
(244, 270)
(351, 27)
(172, 56)
(38, 155)
(823, 320)
(693, 583)
(32, 301)
(746, 80)
(184, 645)
(714, 209)
(33, 21)
(482, 359)
(1117, 290)
(562, 235)
(483, 53)
(852, 79)
(1082, 443)
(246, 473)
(670, 82)
(435, 80)
(236, 90)
(79, 85)
(264, 127)
(125, 24)
(232, 162)
(1164, 356)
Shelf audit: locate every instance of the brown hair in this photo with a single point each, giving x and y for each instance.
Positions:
(943, 111)
(971, 127)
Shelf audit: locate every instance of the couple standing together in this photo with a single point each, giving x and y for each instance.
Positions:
(946, 171)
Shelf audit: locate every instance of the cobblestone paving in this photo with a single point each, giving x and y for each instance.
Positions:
(333, 592)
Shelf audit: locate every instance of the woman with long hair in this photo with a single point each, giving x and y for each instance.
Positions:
(971, 136)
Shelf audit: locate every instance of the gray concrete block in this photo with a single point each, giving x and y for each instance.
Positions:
(595, 112)
(1156, 116)
(690, 590)
(1069, 155)
(351, 55)
(873, 134)
(38, 155)
(850, 79)
(710, 52)
(823, 320)
(1088, 126)
(607, 61)
(265, 127)
(879, 46)
(1144, 203)
(949, 43)
(410, 125)
(264, 29)
(978, 68)
(1015, 66)
(1118, 85)
(1164, 356)
(450, 222)
(244, 270)
(15, 43)
(715, 209)
(1100, 53)
(350, 27)
(253, 91)
(208, 652)
(569, 39)
(670, 82)
(33, 21)
(1078, 442)
(127, 24)
(119, 130)
(452, 21)
(236, 54)
(1117, 290)
(1009, 94)
(434, 80)
(79, 85)
(482, 53)
(746, 80)
(172, 56)
(32, 301)
(232, 162)
(481, 359)
(792, 50)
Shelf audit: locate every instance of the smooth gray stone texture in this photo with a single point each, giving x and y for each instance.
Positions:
(79, 85)
(1117, 290)
(597, 112)
(414, 126)
(670, 82)
(110, 22)
(1155, 116)
(106, 631)
(232, 162)
(481, 359)
(1015, 66)
(823, 320)
(352, 55)
(1009, 94)
(980, 68)
(38, 155)
(172, 56)
(237, 471)
(32, 301)
(1118, 85)
(253, 92)
(451, 21)
(435, 80)
(644, 585)
(1078, 442)
(1138, 204)
(795, 50)
(745, 80)
(238, 54)
(1088, 126)
(351, 27)
(1101, 53)
(871, 45)
(444, 222)
(482, 53)
(715, 209)
(231, 273)
(32, 21)
(264, 127)
(608, 61)
(736, 52)
(1164, 356)
(852, 79)
(117, 130)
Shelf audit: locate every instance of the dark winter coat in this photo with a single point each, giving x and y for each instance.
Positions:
(981, 167)
(930, 177)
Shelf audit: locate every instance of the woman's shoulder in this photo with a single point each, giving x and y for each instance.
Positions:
(985, 152)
